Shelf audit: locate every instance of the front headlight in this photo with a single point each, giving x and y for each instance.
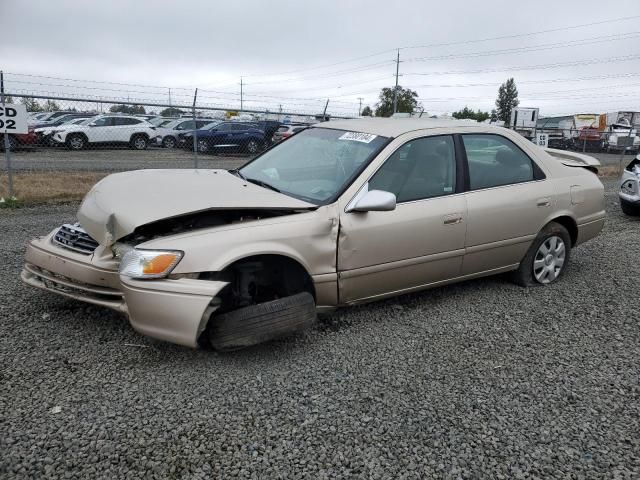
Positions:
(149, 263)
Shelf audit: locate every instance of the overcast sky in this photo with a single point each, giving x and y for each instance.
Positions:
(298, 53)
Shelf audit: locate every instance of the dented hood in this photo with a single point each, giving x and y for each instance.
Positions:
(121, 202)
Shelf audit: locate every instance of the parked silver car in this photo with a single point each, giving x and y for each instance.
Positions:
(168, 134)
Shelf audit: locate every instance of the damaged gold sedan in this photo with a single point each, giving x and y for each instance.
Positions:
(342, 213)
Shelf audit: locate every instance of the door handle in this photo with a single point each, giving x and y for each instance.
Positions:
(543, 202)
(452, 219)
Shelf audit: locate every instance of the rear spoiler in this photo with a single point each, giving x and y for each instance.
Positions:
(574, 159)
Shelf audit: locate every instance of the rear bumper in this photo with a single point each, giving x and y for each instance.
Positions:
(589, 230)
(176, 311)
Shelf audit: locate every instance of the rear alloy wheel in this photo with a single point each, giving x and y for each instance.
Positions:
(253, 147)
(76, 141)
(203, 145)
(139, 142)
(549, 260)
(631, 209)
(546, 259)
(260, 323)
(169, 142)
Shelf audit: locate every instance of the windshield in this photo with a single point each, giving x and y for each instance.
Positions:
(316, 164)
(86, 121)
(209, 126)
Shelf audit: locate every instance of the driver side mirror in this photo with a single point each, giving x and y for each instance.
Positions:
(375, 201)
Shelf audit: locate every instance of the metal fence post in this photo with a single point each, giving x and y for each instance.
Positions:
(195, 132)
(7, 144)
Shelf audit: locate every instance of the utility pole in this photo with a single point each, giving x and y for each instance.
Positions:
(360, 107)
(241, 94)
(395, 90)
(169, 97)
(324, 114)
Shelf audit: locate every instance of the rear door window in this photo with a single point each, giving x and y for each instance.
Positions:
(495, 161)
(127, 121)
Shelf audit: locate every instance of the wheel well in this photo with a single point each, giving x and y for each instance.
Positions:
(141, 134)
(571, 226)
(261, 278)
(78, 134)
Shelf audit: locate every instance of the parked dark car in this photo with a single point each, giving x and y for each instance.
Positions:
(269, 127)
(227, 137)
(61, 119)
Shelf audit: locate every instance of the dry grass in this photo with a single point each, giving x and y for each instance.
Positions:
(609, 171)
(50, 187)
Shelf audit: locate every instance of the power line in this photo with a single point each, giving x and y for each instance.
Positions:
(520, 35)
(535, 67)
(551, 80)
(532, 48)
(447, 44)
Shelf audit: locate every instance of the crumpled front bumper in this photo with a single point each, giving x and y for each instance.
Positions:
(176, 311)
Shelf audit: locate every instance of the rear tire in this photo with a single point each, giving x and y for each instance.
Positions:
(169, 142)
(252, 147)
(203, 146)
(631, 209)
(547, 258)
(139, 142)
(263, 322)
(76, 141)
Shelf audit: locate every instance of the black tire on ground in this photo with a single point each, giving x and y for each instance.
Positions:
(76, 141)
(631, 209)
(203, 145)
(263, 322)
(169, 142)
(139, 142)
(524, 275)
(252, 146)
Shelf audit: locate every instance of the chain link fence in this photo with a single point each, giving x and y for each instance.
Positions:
(73, 142)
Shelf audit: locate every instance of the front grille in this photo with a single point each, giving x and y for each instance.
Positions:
(73, 237)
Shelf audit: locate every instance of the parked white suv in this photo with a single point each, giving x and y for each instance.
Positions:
(108, 129)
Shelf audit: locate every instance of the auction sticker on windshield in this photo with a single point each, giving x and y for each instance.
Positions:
(358, 137)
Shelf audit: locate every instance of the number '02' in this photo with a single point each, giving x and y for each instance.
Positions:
(9, 124)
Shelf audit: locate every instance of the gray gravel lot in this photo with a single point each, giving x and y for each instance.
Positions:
(476, 380)
(112, 160)
(109, 159)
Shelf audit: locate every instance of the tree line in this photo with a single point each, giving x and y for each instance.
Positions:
(407, 102)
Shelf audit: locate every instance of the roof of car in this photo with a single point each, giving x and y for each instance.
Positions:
(392, 127)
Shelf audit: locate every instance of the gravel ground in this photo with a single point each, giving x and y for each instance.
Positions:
(481, 379)
(112, 160)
